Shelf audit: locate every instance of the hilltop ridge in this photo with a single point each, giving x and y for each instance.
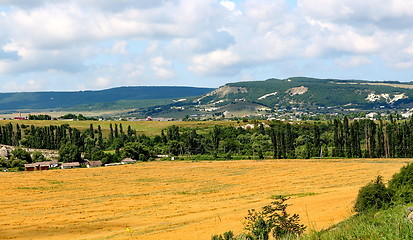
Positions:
(297, 93)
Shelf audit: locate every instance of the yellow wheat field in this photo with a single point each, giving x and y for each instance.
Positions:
(177, 200)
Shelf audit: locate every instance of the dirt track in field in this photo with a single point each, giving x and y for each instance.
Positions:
(177, 200)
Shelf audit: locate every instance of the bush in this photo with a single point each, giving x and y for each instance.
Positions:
(273, 218)
(402, 178)
(226, 236)
(402, 184)
(373, 196)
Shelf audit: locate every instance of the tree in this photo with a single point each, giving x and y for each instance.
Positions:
(37, 156)
(91, 131)
(4, 163)
(21, 154)
(111, 136)
(215, 138)
(104, 157)
(69, 152)
(174, 147)
(136, 151)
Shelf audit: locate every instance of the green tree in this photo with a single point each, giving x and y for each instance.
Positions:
(37, 156)
(104, 157)
(21, 154)
(216, 138)
(136, 151)
(69, 152)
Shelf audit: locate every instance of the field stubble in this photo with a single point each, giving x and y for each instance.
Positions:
(177, 200)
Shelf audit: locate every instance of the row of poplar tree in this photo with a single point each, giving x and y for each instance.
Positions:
(337, 138)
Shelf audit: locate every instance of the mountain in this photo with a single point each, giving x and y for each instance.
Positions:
(312, 92)
(303, 93)
(232, 99)
(102, 98)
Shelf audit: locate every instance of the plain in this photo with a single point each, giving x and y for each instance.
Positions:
(178, 200)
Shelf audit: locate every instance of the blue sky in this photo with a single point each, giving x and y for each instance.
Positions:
(61, 45)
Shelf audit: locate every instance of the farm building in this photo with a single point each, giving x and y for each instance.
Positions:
(128, 161)
(70, 165)
(51, 164)
(41, 165)
(30, 167)
(91, 164)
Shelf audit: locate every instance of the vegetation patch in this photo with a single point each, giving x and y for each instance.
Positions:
(298, 195)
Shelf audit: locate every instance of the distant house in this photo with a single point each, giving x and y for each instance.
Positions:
(19, 118)
(91, 164)
(51, 164)
(128, 161)
(41, 165)
(30, 167)
(70, 165)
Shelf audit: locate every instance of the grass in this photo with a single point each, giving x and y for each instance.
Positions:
(296, 195)
(390, 224)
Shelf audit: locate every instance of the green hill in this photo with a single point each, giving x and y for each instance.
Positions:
(312, 92)
(110, 98)
(297, 93)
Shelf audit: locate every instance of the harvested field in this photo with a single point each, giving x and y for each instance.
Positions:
(177, 200)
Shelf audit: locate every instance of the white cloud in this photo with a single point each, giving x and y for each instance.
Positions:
(120, 47)
(101, 82)
(29, 85)
(134, 71)
(130, 41)
(353, 62)
(228, 5)
(162, 67)
(215, 63)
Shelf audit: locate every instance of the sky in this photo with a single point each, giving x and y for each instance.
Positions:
(71, 45)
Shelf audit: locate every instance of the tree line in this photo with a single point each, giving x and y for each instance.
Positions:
(336, 138)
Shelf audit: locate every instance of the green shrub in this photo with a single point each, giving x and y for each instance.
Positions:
(402, 178)
(389, 224)
(373, 196)
(273, 218)
(402, 184)
(229, 235)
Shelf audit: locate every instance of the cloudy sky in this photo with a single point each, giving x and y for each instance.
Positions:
(97, 44)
